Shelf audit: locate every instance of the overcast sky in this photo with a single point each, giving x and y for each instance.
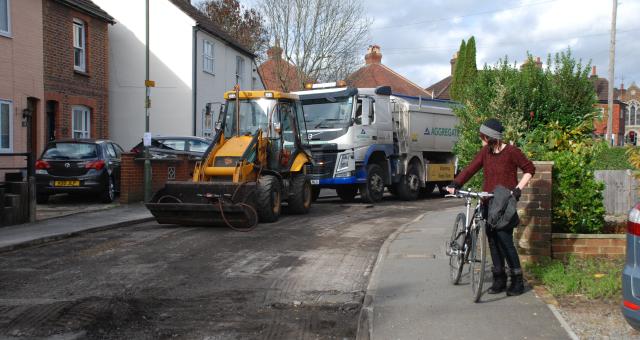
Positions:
(419, 37)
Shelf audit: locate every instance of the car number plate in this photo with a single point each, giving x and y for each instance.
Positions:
(66, 183)
(315, 181)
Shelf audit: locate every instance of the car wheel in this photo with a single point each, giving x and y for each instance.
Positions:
(109, 193)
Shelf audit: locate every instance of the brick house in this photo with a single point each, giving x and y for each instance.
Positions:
(374, 74)
(76, 69)
(21, 73)
(601, 87)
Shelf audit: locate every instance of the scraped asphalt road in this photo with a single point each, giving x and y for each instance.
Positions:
(302, 277)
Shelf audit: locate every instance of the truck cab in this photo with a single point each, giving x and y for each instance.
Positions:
(349, 130)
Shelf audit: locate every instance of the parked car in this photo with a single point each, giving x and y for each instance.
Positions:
(168, 146)
(79, 166)
(631, 271)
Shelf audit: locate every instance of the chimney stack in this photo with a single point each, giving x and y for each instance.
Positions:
(593, 71)
(373, 56)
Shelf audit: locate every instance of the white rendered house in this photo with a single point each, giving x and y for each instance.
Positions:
(192, 61)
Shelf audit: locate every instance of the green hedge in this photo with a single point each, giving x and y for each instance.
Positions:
(612, 159)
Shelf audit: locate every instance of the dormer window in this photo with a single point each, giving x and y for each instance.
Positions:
(79, 46)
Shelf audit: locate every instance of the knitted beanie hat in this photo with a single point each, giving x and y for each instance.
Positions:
(492, 128)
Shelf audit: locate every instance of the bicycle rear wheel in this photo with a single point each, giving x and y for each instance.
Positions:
(456, 249)
(478, 259)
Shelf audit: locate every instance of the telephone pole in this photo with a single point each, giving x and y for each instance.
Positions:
(147, 105)
(612, 57)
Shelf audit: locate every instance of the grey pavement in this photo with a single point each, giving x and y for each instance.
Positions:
(28, 234)
(410, 297)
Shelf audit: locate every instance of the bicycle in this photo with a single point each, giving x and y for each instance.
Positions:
(468, 243)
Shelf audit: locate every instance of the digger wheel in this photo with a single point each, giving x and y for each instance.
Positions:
(268, 200)
(301, 196)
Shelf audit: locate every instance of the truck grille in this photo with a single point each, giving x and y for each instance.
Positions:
(324, 164)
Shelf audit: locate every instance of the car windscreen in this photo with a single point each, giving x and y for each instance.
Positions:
(71, 151)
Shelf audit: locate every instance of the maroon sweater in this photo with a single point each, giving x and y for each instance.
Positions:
(499, 169)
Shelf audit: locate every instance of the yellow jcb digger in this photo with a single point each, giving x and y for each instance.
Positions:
(256, 161)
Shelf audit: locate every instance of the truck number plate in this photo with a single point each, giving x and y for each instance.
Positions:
(315, 181)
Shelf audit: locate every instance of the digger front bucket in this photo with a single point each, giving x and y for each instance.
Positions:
(186, 203)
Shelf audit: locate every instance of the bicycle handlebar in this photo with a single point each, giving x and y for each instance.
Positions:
(468, 193)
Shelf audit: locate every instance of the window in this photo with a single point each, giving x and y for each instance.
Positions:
(81, 122)
(6, 126)
(111, 151)
(207, 56)
(239, 70)
(632, 115)
(5, 18)
(198, 146)
(79, 46)
(175, 144)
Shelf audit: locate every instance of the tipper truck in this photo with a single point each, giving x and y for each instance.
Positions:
(364, 140)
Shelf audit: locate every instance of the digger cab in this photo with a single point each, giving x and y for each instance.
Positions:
(276, 115)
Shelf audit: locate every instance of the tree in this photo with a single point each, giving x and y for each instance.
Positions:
(458, 72)
(321, 38)
(470, 68)
(243, 24)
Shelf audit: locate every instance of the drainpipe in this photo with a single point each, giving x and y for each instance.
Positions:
(194, 78)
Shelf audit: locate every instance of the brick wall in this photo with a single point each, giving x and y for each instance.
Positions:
(132, 175)
(533, 236)
(582, 245)
(67, 86)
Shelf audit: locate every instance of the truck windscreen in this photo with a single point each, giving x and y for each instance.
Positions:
(328, 113)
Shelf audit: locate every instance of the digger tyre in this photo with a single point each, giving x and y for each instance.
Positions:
(268, 200)
(301, 195)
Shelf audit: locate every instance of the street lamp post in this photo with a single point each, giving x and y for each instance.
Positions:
(147, 105)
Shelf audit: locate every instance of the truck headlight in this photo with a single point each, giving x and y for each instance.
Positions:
(344, 162)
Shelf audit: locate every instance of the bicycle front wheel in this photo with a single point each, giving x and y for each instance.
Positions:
(478, 259)
(456, 249)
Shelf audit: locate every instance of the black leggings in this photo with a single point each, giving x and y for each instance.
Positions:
(502, 248)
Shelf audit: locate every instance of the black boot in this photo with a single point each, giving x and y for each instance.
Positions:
(517, 285)
(499, 282)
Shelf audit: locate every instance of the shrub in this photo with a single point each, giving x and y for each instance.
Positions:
(612, 159)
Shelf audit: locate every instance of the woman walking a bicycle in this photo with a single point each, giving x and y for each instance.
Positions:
(500, 162)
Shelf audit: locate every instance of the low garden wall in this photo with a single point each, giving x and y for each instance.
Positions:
(179, 168)
(588, 245)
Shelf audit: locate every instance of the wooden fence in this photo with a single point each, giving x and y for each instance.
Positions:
(620, 192)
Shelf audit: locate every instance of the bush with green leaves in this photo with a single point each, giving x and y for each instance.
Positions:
(548, 113)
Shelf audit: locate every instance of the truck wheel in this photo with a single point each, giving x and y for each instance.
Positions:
(268, 199)
(409, 187)
(347, 193)
(300, 198)
(373, 190)
(315, 193)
